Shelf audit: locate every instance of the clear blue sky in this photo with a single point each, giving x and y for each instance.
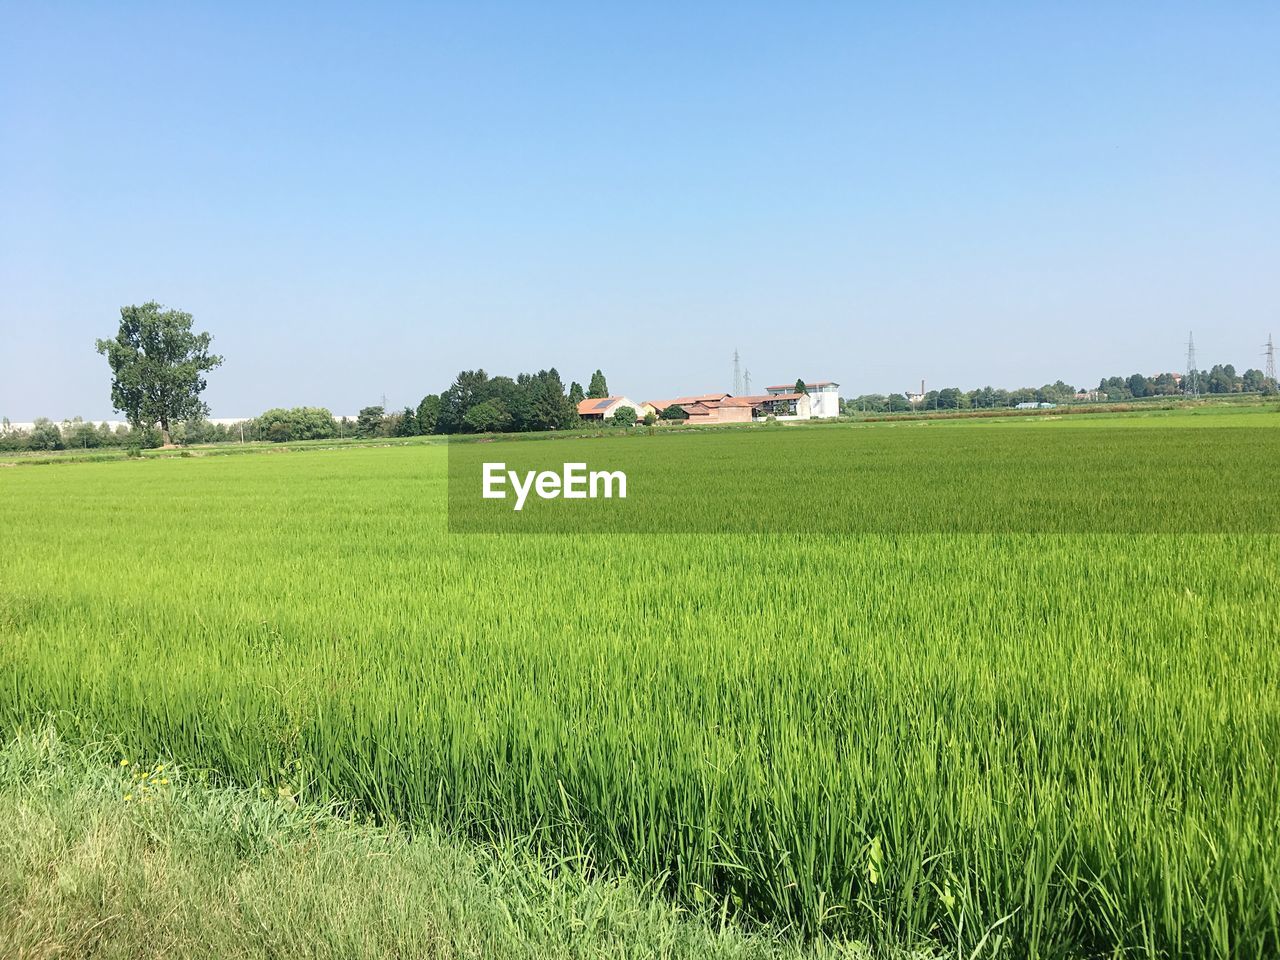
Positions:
(362, 200)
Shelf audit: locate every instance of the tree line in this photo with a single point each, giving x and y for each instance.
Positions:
(158, 364)
(478, 403)
(1219, 379)
(474, 403)
(74, 434)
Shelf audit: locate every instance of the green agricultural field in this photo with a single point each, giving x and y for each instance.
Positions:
(1054, 735)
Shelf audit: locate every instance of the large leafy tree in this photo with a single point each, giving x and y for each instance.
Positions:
(407, 426)
(487, 417)
(465, 392)
(298, 423)
(532, 401)
(157, 366)
(598, 387)
(45, 435)
(369, 421)
(428, 413)
(549, 408)
(624, 417)
(512, 397)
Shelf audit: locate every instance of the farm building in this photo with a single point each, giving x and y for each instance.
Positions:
(657, 406)
(602, 408)
(781, 402)
(824, 396)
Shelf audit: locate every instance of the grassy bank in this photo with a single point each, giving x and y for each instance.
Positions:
(98, 861)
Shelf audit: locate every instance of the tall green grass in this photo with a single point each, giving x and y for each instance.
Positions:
(186, 870)
(1062, 742)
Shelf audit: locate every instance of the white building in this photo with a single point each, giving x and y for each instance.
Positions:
(824, 397)
(602, 408)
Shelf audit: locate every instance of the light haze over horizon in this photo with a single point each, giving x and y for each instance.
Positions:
(359, 202)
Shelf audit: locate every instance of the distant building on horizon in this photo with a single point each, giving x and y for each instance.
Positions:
(824, 396)
(730, 409)
(781, 402)
(601, 408)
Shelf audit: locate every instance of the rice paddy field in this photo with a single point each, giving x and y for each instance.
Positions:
(1047, 738)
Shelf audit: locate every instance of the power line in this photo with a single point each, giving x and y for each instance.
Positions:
(1270, 354)
(746, 382)
(737, 374)
(1191, 382)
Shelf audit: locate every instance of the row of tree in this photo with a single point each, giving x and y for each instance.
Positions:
(953, 398)
(478, 403)
(158, 364)
(473, 403)
(1219, 379)
(77, 434)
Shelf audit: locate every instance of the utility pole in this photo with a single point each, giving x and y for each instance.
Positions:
(1270, 353)
(1191, 384)
(737, 374)
(746, 382)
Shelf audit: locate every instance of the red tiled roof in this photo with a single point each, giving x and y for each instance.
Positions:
(701, 398)
(754, 401)
(595, 404)
(682, 401)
